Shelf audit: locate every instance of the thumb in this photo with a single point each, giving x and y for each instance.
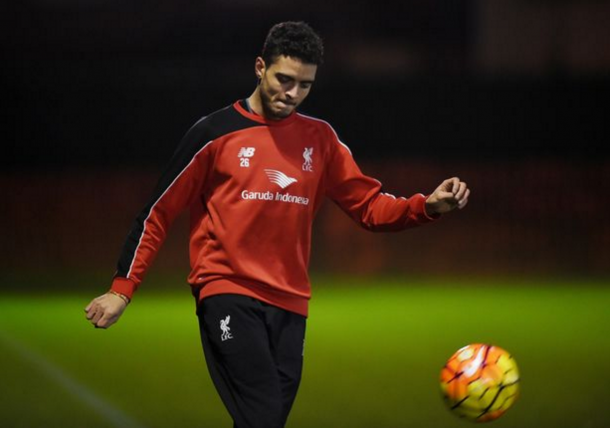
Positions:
(441, 194)
(451, 185)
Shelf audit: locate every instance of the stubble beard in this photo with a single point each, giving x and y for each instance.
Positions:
(267, 106)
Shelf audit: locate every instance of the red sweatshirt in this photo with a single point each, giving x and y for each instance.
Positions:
(253, 187)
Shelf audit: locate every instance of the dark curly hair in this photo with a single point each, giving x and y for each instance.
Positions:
(294, 39)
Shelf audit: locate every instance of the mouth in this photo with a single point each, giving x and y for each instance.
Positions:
(286, 103)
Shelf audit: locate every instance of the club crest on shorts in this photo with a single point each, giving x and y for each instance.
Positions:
(226, 330)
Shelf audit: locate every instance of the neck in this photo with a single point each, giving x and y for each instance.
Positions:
(256, 103)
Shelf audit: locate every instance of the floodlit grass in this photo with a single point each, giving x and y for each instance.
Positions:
(373, 356)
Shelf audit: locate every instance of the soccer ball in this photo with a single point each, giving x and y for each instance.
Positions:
(480, 382)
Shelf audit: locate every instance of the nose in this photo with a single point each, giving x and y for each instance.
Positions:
(292, 92)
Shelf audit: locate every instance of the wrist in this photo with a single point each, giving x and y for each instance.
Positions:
(430, 210)
(124, 286)
(121, 296)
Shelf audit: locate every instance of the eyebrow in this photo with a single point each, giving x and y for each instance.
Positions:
(292, 78)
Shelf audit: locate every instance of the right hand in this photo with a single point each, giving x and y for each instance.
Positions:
(105, 310)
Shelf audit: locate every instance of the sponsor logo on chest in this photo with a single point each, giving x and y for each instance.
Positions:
(276, 177)
(283, 181)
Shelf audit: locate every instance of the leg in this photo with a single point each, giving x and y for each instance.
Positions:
(287, 339)
(241, 366)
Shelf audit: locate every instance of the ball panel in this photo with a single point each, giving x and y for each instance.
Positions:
(491, 416)
(508, 397)
(483, 393)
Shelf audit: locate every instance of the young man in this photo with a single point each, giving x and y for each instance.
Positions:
(253, 176)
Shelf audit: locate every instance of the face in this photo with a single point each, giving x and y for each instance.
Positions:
(284, 84)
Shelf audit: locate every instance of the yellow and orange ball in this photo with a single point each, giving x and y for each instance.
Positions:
(480, 382)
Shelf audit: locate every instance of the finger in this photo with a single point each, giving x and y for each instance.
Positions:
(92, 303)
(445, 186)
(91, 312)
(466, 195)
(455, 185)
(106, 321)
(96, 318)
(464, 201)
(459, 195)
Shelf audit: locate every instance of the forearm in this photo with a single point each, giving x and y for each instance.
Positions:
(383, 212)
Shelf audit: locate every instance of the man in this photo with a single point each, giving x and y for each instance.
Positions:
(253, 176)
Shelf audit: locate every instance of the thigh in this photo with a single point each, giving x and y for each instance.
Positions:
(287, 338)
(236, 344)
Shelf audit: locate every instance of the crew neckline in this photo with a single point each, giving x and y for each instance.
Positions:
(260, 119)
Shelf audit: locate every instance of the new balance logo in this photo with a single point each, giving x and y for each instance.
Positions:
(246, 152)
(280, 178)
(244, 155)
(226, 330)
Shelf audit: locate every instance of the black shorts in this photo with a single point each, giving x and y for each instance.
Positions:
(254, 353)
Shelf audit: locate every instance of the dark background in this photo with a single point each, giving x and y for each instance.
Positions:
(510, 95)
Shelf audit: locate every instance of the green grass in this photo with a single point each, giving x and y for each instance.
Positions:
(372, 360)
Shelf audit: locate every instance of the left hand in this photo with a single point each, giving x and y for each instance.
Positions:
(451, 194)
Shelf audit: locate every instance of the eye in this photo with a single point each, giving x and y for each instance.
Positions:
(305, 85)
(283, 79)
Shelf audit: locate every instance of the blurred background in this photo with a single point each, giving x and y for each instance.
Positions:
(512, 96)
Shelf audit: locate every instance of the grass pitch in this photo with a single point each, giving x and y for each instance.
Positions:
(373, 354)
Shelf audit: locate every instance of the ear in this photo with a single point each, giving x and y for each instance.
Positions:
(259, 67)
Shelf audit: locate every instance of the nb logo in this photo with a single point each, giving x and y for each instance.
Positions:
(244, 155)
(226, 330)
(246, 152)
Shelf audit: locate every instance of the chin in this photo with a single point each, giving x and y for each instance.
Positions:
(281, 114)
(276, 112)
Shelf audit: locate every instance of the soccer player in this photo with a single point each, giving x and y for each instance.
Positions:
(253, 176)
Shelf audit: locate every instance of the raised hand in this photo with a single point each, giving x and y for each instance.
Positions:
(451, 194)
